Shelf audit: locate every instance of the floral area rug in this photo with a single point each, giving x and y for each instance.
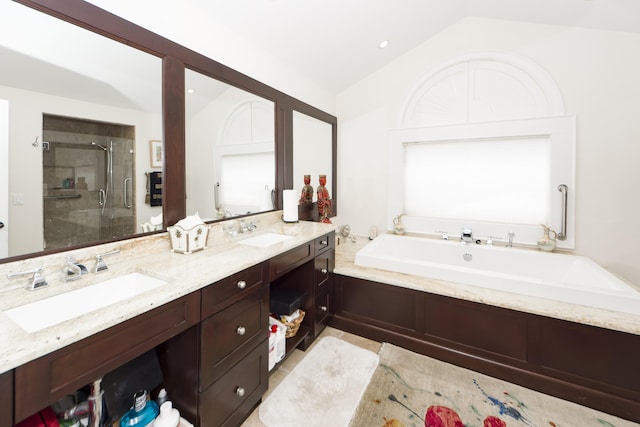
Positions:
(412, 390)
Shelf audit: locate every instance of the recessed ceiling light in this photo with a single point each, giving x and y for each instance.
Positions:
(383, 44)
(191, 90)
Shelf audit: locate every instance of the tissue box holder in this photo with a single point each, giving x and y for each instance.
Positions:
(188, 241)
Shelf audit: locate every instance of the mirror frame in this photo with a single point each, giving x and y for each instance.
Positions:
(175, 58)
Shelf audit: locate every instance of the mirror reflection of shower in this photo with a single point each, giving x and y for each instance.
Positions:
(88, 181)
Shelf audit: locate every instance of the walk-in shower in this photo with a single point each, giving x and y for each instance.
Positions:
(88, 181)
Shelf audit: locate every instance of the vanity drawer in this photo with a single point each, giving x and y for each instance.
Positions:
(323, 267)
(226, 291)
(229, 400)
(289, 260)
(231, 334)
(323, 310)
(324, 243)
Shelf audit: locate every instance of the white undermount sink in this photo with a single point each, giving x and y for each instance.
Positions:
(41, 314)
(265, 240)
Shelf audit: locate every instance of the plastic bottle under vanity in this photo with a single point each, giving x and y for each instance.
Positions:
(169, 416)
(162, 397)
(143, 413)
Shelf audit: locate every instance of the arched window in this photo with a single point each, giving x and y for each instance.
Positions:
(484, 143)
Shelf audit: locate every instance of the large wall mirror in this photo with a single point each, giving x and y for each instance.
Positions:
(92, 106)
(314, 147)
(313, 155)
(230, 149)
(82, 112)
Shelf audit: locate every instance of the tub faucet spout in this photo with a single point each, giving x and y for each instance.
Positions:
(466, 236)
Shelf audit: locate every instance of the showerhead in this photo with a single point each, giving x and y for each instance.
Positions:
(98, 145)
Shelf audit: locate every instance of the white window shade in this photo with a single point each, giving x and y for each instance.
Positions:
(503, 180)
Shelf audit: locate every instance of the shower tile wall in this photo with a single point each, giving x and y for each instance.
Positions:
(74, 172)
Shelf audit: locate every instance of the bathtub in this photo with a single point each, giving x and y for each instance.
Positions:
(567, 278)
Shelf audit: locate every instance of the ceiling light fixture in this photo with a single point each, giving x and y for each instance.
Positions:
(383, 44)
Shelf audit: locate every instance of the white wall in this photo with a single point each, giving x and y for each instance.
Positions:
(180, 21)
(597, 73)
(25, 169)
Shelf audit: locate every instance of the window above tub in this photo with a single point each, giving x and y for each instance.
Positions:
(484, 143)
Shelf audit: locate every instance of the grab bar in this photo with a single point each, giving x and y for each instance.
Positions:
(124, 192)
(562, 235)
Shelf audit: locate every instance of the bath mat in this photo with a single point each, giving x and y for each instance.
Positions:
(323, 389)
(412, 390)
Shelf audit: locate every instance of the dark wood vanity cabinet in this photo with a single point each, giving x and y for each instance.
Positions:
(308, 268)
(6, 399)
(45, 380)
(592, 366)
(217, 371)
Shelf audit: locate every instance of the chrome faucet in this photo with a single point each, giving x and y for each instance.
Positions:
(73, 270)
(444, 234)
(511, 236)
(100, 264)
(466, 235)
(37, 281)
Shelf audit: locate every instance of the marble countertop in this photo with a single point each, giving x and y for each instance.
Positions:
(151, 255)
(345, 256)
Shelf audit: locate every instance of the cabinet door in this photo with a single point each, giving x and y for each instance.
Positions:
(6, 399)
(323, 269)
(45, 380)
(323, 310)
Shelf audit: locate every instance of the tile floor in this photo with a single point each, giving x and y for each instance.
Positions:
(295, 358)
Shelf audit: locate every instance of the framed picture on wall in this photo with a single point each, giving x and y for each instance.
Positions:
(157, 155)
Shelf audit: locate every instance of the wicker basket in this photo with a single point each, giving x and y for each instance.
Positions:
(294, 325)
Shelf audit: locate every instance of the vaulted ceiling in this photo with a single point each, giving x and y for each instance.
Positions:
(335, 42)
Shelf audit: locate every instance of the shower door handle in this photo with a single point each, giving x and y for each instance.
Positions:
(101, 197)
(125, 193)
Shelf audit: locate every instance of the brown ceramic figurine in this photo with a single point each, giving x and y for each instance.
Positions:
(324, 202)
(307, 192)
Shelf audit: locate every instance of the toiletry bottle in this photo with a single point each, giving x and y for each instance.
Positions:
(169, 416)
(162, 397)
(143, 413)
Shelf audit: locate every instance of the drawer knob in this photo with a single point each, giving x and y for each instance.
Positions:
(241, 330)
(323, 308)
(324, 271)
(242, 284)
(239, 391)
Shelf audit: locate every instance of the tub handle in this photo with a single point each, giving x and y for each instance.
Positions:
(562, 235)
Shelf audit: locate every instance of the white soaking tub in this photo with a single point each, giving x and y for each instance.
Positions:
(561, 277)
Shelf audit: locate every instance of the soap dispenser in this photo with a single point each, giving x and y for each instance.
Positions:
(143, 412)
(548, 241)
